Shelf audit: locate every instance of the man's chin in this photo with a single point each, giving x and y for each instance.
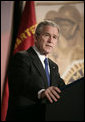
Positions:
(48, 51)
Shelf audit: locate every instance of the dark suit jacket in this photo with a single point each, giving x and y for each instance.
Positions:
(26, 77)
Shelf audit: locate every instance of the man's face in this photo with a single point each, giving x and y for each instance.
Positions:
(47, 40)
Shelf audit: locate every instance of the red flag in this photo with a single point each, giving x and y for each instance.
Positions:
(25, 35)
(24, 41)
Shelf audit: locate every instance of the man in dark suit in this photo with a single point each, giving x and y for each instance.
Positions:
(31, 82)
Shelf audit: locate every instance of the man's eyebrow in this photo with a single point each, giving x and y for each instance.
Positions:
(46, 33)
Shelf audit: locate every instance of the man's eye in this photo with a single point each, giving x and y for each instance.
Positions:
(55, 37)
(46, 34)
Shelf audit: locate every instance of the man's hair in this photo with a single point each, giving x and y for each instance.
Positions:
(44, 23)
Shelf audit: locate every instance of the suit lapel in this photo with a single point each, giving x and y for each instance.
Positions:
(52, 72)
(36, 61)
(41, 70)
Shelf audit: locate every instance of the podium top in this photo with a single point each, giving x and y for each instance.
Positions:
(76, 82)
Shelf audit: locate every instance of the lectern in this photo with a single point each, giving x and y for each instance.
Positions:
(71, 105)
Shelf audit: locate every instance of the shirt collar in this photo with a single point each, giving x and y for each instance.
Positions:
(42, 57)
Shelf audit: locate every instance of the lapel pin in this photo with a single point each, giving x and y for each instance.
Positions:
(53, 67)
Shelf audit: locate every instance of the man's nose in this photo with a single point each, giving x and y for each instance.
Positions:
(50, 39)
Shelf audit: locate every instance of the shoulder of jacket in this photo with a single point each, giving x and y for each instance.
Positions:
(22, 56)
(22, 53)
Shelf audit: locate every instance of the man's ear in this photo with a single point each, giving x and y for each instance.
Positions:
(35, 37)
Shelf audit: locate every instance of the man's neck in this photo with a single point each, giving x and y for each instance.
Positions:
(37, 50)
